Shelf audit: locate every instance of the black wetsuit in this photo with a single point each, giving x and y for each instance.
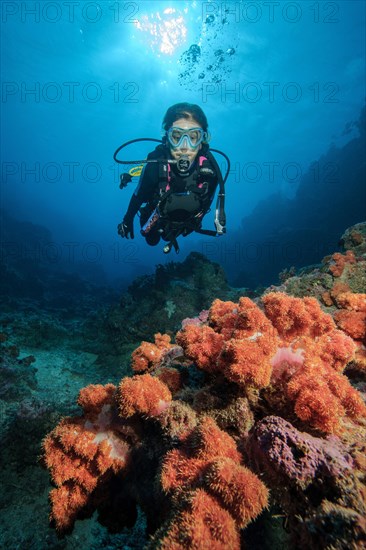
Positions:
(148, 189)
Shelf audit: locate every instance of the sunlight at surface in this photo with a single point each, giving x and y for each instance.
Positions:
(164, 31)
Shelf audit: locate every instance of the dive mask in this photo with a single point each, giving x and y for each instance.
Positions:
(192, 136)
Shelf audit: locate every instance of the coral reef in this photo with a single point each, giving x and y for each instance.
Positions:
(252, 406)
(339, 285)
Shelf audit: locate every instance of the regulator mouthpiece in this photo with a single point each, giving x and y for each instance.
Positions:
(183, 164)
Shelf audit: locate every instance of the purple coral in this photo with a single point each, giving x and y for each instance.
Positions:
(288, 455)
(198, 321)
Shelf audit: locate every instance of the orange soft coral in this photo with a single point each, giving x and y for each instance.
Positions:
(340, 261)
(313, 356)
(294, 317)
(148, 355)
(182, 468)
(202, 345)
(93, 397)
(80, 451)
(322, 397)
(194, 443)
(222, 317)
(242, 320)
(351, 317)
(329, 296)
(209, 441)
(352, 301)
(352, 322)
(143, 394)
(66, 501)
(238, 342)
(202, 524)
(248, 362)
(251, 322)
(311, 361)
(241, 491)
(246, 357)
(210, 460)
(335, 349)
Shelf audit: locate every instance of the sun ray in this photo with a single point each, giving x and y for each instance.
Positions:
(165, 31)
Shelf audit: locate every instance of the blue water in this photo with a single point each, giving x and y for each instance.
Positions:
(283, 87)
(290, 79)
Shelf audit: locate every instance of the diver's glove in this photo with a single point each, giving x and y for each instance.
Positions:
(125, 228)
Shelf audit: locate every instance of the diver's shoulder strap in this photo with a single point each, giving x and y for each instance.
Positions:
(220, 216)
(216, 167)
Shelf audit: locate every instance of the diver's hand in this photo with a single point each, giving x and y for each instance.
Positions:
(125, 229)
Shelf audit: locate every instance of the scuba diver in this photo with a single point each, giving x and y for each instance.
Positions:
(177, 183)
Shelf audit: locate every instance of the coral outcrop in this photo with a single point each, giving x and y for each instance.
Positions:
(253, 405)
(158, 302)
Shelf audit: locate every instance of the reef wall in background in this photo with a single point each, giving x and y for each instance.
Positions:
(281, 233)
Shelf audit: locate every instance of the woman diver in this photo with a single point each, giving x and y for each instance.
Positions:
(178, 192)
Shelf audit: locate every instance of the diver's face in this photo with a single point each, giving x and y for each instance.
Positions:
(184, 149)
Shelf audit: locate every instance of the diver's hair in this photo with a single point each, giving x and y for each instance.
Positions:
(190, 111)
